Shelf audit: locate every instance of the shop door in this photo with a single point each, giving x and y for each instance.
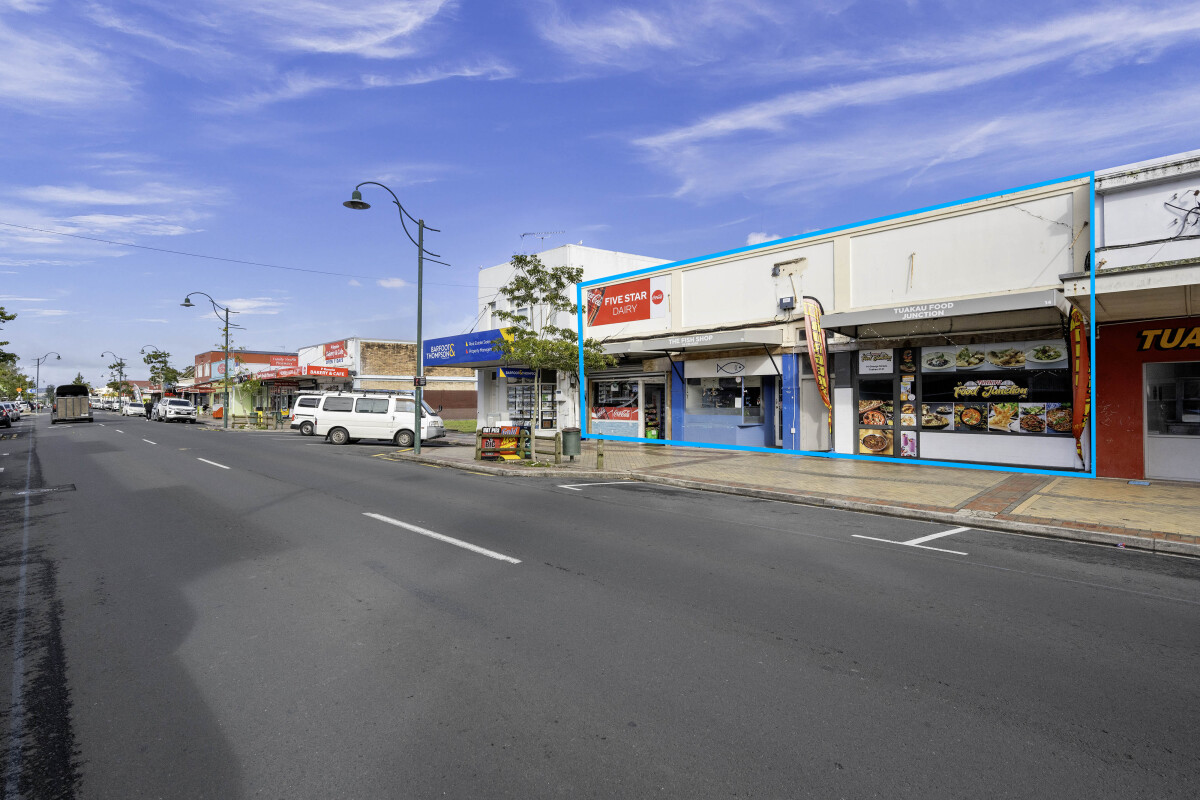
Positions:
(1172, 392)
(779, 412)
(654, 410)
(813, 417)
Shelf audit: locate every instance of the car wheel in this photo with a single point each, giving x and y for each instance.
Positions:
(306, 428)
(404, 439)
(339, 436)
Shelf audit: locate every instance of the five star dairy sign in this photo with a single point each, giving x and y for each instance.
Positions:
(627, 302)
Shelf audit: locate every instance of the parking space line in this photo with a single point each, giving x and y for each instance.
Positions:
(443, 538)
(933, 536)
(575, 487)
(215, 464)
(915, 542)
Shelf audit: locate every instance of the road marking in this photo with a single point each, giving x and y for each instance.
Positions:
(917, 542)
(933, 536)
(215, 464)
(575, 486)
(147, 441)
(442, 538)
(118, 430)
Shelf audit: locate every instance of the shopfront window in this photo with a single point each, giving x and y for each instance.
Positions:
(614, 407)
(741, 397)
(1173, 399)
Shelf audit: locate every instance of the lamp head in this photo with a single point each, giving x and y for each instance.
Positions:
(356, 202)
(187, 302)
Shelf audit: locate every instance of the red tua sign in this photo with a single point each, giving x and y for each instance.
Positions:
(626, 302)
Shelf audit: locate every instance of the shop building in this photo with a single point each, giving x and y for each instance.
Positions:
(937, 335)
(1148, 317)
(387, 364)
(511, 394)
(209, 373)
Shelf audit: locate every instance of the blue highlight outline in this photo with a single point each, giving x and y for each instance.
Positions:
(1090, 473)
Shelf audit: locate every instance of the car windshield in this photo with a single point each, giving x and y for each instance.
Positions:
(178, 403)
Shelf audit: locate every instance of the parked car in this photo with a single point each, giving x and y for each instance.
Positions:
(133, 410)
(14, 412)
(304, 412)
(174, 409)
(5, 420)
(345, 417)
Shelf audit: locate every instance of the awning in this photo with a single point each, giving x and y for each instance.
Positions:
(1015, 310)
(692, 342)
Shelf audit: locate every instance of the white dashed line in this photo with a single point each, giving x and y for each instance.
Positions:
(215, 464)
(441, 538)
(147, 441)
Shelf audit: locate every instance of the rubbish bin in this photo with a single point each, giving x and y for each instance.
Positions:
(571, 442)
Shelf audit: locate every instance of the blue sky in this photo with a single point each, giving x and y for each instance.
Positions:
(236, 128)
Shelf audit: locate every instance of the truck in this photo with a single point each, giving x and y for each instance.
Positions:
(71, 404)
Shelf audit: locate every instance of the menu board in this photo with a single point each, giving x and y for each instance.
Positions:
(1038, 354)
(1012, 387)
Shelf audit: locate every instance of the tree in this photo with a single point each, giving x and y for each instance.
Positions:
(6, 358)
(50, 393)
(161, 371)
(536, 296)
(79, 381)
(12, 379)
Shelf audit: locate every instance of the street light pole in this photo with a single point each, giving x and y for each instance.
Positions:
(37, 381)
(217, 309)
(358, 204)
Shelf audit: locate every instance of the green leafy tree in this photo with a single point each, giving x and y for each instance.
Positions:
(49, 396)
(12, 380)
(6, 358)
(79, 381)
(537, 295)
(161, 371)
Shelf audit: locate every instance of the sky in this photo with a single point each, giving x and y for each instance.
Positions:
(231, 131)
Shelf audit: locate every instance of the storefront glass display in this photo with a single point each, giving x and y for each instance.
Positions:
(524, 407)
(742, 397)
(614, 407)
(1010, 388)
(1173, 399)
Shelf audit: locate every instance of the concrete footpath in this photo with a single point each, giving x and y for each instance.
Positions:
(1163, 517)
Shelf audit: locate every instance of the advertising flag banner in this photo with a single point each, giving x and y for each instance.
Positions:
(816, 351)
(627, 302)
(1081, 374)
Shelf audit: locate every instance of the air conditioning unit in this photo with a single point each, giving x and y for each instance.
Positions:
(787, 303)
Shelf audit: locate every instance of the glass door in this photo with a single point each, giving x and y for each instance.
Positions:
(654, 410)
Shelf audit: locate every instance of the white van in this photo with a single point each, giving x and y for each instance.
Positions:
(346, 417)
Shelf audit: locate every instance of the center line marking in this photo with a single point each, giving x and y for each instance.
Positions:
(147, 441)
(441, 538)
(215, 464)
(118, 430)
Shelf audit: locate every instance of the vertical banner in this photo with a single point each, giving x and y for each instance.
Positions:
(817, 355)
(1081, 379)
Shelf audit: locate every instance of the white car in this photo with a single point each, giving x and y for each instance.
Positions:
(14, 411)
(133, 410)
(174, 409)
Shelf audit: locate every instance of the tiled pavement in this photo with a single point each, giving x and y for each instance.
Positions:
(1163, 516)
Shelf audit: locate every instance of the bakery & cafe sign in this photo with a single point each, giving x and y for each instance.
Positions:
(1170, 338)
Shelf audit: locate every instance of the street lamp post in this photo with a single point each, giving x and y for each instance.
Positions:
(37, 381)
(358, 204)
(217, 309)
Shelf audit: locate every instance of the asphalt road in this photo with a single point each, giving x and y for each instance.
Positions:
(189, 613)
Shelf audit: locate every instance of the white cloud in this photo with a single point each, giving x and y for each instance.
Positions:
(353, 282)
(392, 283)
(46, 312)
(253, 305)
(157, 194)
(371, 28)
(757, 237)
(158, 321)
(40, 69)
